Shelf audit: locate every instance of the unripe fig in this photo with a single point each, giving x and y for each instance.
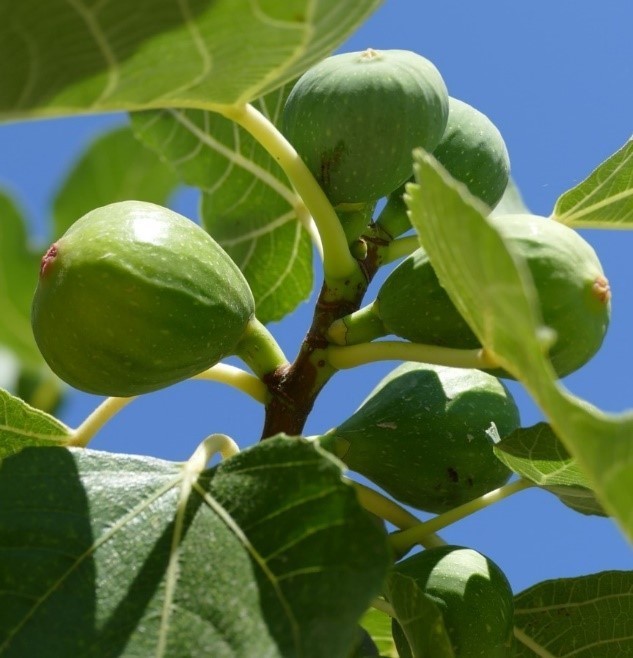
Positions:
(135, 297)
(472, 150)
(472, 594)
(354, 119)
(425, 435)
(572, 289)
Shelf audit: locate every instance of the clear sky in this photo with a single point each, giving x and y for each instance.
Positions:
(556, 78)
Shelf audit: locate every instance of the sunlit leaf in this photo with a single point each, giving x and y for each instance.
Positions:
(537, 454)
(267, 554)
(588, 617)
(68, 56)
(22, 426)
(378, 625)
(605, 198)
(492, 289)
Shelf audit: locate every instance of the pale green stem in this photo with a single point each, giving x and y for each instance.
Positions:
(237, 378)
(351, 356)
(259, 349)
(97, 419)
(390, 511)
(383, 606)
(210, 446)
(221, 372)
(403, 541)
(304, 216)
(399, 248)
(338, 262)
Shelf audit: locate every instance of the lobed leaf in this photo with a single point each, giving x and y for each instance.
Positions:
(587, 617)
(492, 289)
(267, 554)
(605, 198)
(22, 426)
(248, 204)
(537, 454)
(68, 56)
(115, 167)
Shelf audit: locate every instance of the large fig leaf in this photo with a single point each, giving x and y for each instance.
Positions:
(588, 617)
(536, 453)
(605, 198)
(21, 427)
(115, 167)
(493, 290)
(248, 205)
(19, 268)
(378, 625)
(70, 56)
(267, 554)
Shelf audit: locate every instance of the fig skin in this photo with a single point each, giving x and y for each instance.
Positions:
(425, 435)
(135, 297)
(573, 293)
(472, 594)
(472, 150)
(355, 118)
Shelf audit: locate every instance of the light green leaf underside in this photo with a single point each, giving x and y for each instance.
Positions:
(248, 204)
(605, 198)
(268, 554)
(19, 268)
(493, 290)
(115, 167)
(378, 625)
(587, 617)
(21, 427)
(66, 56)
(536, 453)
(512, 202)
(420, 620)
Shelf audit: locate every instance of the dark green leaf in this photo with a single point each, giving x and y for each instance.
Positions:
(492, 289)
(115, 167)
(537, 454)
(588, 617)
(605, 198)
(267, 554)
(63, 57)
(21, 427)
(248, 205)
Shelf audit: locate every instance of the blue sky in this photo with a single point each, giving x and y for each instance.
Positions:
(555, 77)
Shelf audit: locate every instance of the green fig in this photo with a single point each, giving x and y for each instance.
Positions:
(472, 593)
(354, 119)
(425, 435)
(472, 150)
(135, 297)
(573, 293)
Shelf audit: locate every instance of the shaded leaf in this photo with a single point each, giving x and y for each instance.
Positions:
(248, 204)
(492, 289)
(537, 454)
(605, 198)
(378, 625)
(22, 426)
(587, 617)
(115, 167)
(267, 554)
(62, 57)
(19, 268)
